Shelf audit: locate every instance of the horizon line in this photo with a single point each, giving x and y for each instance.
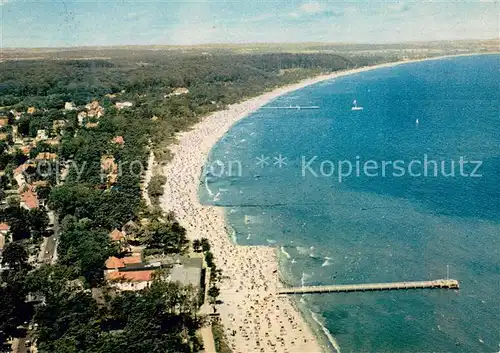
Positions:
(236, 44)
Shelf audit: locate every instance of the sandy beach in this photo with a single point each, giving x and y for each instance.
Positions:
(254, 317)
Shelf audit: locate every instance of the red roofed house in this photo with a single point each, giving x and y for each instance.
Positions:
(92, 105)
(26, 150)
(94, 109)
(4, 121)
(109, 167)
(120, 275)
(120, 237)
(4, 228)
(114, 263)
(108, 164)
(29, 199)
(46, 156)
(52, 142)
(133, 259)
(119, 140)
(19, 173)
(91, 125)
(23, 167)
(130, 280)
(117, 235)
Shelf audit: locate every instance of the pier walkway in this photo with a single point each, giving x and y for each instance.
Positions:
(439, 283)
(298, 107)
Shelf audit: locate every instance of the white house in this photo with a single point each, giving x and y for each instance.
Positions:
(69, 106)
(41, 135)
(81, 117)
(121, 105)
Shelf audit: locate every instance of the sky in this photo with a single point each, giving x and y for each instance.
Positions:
(68, 23)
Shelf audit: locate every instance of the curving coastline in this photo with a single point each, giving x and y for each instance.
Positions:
(260, 320)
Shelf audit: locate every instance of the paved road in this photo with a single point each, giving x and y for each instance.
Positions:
(51, 243)
(21, 347)
(208, 339)
(50, 249)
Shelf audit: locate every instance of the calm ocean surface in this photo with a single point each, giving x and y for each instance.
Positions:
(370, 228)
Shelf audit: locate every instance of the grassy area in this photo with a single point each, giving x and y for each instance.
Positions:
(221, 344)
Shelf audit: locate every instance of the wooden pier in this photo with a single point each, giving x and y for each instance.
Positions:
(436, 284)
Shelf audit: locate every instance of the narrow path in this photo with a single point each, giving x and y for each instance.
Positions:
(208, 339)
(148, 174)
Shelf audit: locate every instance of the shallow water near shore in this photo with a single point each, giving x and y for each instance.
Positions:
(339, 229)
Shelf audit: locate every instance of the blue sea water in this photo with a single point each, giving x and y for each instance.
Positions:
(377, 228)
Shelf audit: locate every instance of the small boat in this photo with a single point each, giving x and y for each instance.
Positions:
(355, 106)
(416, 122)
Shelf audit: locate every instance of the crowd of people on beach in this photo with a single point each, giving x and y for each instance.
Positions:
(255, 318)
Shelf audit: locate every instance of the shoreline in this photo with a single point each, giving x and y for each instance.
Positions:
(263, 321)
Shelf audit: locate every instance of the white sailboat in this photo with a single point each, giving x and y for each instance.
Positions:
(355, 106)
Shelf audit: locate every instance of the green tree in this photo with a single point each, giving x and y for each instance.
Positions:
(13, 308)
(38, 221)
(209, 259)
(205, 244)
(84, 249)
(213, 293)
(196, 245)
(43, 193)
(15, 256)
(68, 323)
(155, 187)
(13, 312)
(23, 126)
(17, 218)
(170, 237)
